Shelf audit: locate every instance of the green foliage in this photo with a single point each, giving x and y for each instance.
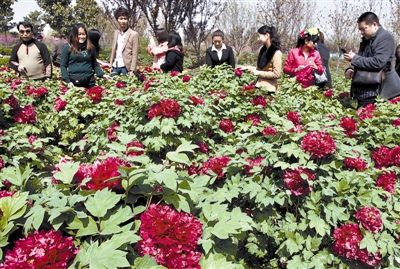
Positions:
(250, 218)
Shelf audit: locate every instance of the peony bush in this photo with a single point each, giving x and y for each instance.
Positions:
(196, 170)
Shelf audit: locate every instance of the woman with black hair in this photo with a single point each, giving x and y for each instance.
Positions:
(174, 55)
(158, 51)
(269, 62)
(304, 59)
(78, 60)
(94, 36)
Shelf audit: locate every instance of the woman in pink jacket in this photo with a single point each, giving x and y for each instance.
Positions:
(303, 60)
(158, 51)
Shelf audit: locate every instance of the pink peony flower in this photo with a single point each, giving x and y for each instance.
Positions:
(319, 144)
(269, 131)
(348, 238)
(41, 250)
(171, 237)
(349, 125)
(221, 93)
(387, 181)
(59, 104)
(328, 93)
(226, 126)
(5, 193)
(295, 183)
(395, 100)
(260, 100)
(216, 164)
(370, 218)
(255, 119)
(185, 78)
(238, 72)
(355, 163)
(133, 149)
(366, 112)
(32, 138)
(174, 73)
(26, 114)
(294, 117)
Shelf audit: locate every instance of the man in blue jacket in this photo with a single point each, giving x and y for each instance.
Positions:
(376, 53)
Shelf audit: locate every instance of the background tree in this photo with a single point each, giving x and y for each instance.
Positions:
(58, 14)
(237, 22)
(393, 23)
(132, 6)
(35, 18)
(6, 16)
(170, 14)
(200, 22)
(289, 17)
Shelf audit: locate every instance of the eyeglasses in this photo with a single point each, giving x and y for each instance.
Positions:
(25, 32)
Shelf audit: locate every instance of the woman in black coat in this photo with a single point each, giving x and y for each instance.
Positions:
(219, 53)
(325, 55)
(174, 55)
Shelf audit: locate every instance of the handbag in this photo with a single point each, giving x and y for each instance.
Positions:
(320, 80)
(367, 78)
(80, 81)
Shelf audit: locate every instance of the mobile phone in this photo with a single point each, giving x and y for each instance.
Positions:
(343, 50)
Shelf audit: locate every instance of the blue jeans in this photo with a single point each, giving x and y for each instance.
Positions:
(119, 71)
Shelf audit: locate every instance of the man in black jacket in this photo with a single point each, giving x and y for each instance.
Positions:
(376, 53)
(30, 58)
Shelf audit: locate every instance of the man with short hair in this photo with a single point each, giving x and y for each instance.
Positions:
(30, 58)
(125, 45)
(57, 49)
(376, 53)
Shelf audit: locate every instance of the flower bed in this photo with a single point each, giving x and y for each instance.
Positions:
(197, 171)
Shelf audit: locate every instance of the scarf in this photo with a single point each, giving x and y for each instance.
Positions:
(265, 56)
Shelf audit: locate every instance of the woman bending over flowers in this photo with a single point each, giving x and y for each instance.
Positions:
(269, 62)
(304, 59)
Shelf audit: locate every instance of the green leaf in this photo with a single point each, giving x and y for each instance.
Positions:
(168, 177)
(35, 217)
(14, 207)
(101, 202)
(369, 243)
(67, 172)
(178, 157)
(186, 146)
(216, 261)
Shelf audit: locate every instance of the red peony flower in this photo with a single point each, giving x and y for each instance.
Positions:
(32, 139)
(112, 133)
(134, 149)
(344, 95)
(348, 238)
(221, 93)
(252, 162)
(328, 93)
(269, 131)
(349, 125)
(396, 122)
(355, 163)
(170, 108)
(63, 89)
(387, 181)
(238, 72)
(185, 78)
(171, 237)
(119, 102)
(331, 116)
(41, 91)
(174, 73)
(154, 111)
(216, 164)
(395, 100)
(203, 147)
(59, 104)
(395, 156)
(294, 117)
(1, 163)
(382, 156)
(95, 93)
(193, 169)
(295, 183)
(120, 85)
(254, 118)
(41, 250)
(196, 100)
(226, 126)
(260, 100)
(4, 193)
(12, 102)
(366, 112)
(26, 114)
(370, 218)
(249, 88)
(319, 144)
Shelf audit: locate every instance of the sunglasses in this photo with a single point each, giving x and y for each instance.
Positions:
(25, 32)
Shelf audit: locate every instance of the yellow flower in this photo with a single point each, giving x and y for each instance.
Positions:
(313, 31)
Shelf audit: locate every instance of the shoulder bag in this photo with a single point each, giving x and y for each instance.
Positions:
(320, 79)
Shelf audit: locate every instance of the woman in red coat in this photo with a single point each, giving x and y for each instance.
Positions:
(304, 59)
